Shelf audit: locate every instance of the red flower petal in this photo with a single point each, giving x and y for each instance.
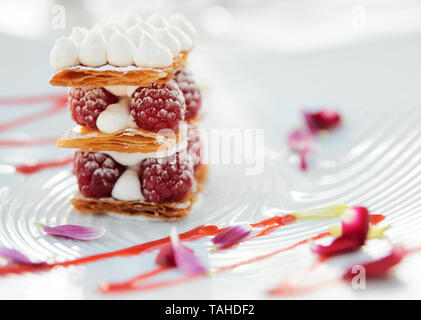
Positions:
(380, 267)
(175, 254)
(322, 120)
(355, 226)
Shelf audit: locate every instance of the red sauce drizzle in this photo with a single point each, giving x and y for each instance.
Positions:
(58, 104)
(32, 168)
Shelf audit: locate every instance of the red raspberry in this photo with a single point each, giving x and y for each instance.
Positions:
(191, 92)
(166, 179)
(87, 103)
(96, 173)
(194, 148)
(159, 106)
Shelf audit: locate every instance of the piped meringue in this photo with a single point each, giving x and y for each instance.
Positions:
(120, 50)
(147, 27)
(180, 21)
(157, 20)
(168, 40)
(93, 50)
(64, 54)
(107, 30)
(185, 42)
(130, 21)
(127, 187)
(150, 53)
(135, 33)
(78, 34)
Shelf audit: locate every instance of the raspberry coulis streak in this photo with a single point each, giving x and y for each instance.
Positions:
(32, 168)
(58, 103)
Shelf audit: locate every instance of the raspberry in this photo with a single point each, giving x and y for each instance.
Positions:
(194, 148)
(96, 173)
(87, 103)
(191, 92)
(159, 106)
(166, 179)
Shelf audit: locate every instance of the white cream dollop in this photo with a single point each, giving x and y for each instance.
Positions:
(147, 27)
(128, 159)
(120, 50)
(150, 53)
(127, 187)
(107, 30)
(78, 34)
(180, 21)
(135, 33)
(157, 20)
(93, 50)
(64, 54)
(122, 91)
(130, 21)
(114, 118)
(165, 38)
(185, 42)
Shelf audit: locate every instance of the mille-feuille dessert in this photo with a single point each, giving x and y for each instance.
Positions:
(137, 109)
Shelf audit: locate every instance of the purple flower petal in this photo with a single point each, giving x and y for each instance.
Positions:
(76, 232)
(16, 257)
(177, 255)
(231, 235)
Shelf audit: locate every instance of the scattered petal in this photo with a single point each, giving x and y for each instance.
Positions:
(300, 142)
(175, 254)
(16, 257)
(75, 232)
(231, 235)
(380, 267)
(322, 120)
(355, 226)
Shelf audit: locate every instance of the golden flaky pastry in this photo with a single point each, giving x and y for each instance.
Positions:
(130, 140)
(81, 76)
(163, 211)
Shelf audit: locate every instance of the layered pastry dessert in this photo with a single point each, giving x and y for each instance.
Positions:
(136, 107)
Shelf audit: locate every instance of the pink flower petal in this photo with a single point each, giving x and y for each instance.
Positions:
(380, 267)
(177, 255)
(231, 235)
(300, 142)
(16, 257)
(355, 226)
(74, 231)
(322, 120)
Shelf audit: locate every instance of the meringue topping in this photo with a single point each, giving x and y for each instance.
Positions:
(150, 53)
(180, 21)
(78, 34)
(157, 20)
(185, 42)
(93, 50)
(64, 54)
(165, 38)
(135, 33)
(120, 50)
(107, 30)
